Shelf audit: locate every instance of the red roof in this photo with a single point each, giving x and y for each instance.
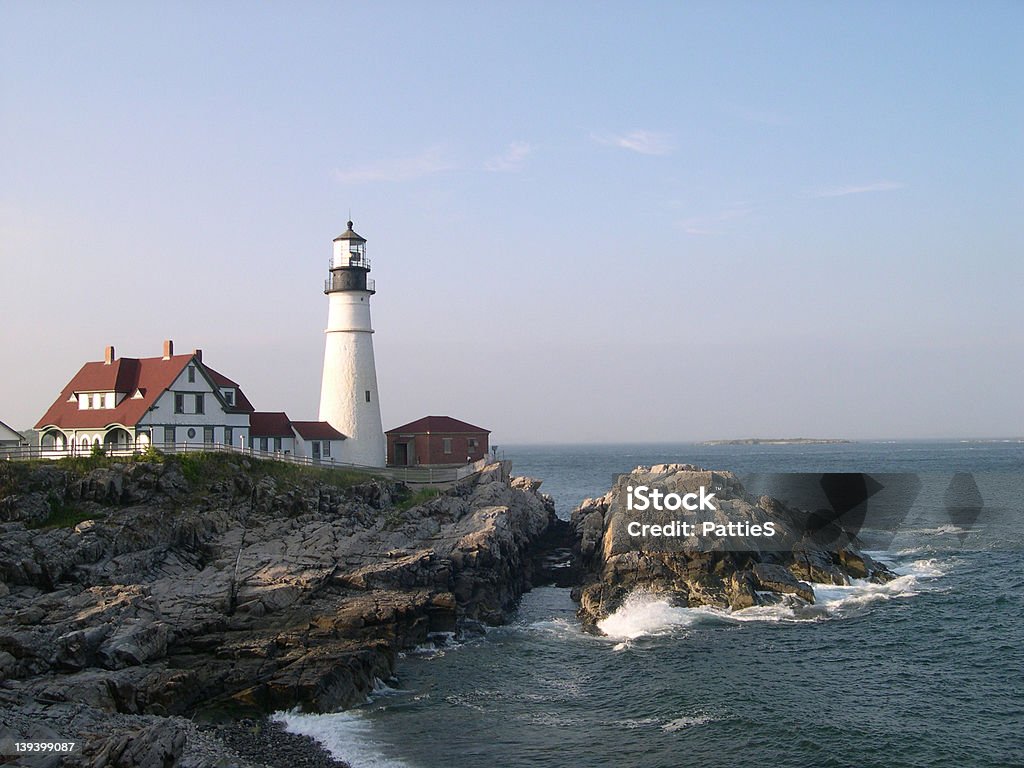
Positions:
(269, 424)
(438, 424)
(150, 377)
(241, 401)
(317, 430)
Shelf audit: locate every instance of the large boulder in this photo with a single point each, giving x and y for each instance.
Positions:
(735, 553)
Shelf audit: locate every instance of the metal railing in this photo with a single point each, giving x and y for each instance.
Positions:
(349, 261)
(331, 285)
(414, 475)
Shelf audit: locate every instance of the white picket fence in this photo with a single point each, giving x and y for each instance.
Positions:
(412, 475)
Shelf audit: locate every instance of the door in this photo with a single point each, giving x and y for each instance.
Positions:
(402, 454)
(316, 450)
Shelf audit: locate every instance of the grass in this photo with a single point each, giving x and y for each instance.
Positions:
(205, 469)
(393, 516)
(421, 496)
(201, 470)
(63, 515)
(297, 473)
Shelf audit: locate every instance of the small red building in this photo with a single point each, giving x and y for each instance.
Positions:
(436, 441)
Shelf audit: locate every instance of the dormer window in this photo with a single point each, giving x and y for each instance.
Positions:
(229, 396)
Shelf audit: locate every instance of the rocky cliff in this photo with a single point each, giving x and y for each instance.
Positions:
(724, 571)
(167, 587)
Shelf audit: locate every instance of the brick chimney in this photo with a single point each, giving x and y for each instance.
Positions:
(198, 355)
(168, 349)
(108, 356)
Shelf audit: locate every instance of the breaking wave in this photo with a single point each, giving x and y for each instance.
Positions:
(647, 614)
(348, 736)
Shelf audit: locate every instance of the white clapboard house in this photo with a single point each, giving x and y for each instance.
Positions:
(121, 404)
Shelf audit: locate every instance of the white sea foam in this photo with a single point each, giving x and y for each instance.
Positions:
(561, 628)
(687, 721)
(380, 688)
(346, 735)
(938, 530)
(677, 723)
(638, 722)
(646, 614)
(438, 643)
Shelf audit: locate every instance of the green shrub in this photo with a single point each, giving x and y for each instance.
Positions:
(422, 496)
(64, 515)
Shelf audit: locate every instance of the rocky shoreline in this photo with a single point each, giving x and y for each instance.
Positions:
(136, 595)
(159, 610)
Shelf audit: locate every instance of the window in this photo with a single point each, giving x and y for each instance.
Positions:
(168, 434)
(96, 401)
(471, 443)
(191, 433)
(229, 437)
(229, 396)
(367, 395)
(179, 402)
(200, 403)
(446, 442)
(277, 443)
(191, 374)
(208, 435)
(327, 448)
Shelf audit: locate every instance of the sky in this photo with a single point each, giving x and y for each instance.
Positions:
(588, 221)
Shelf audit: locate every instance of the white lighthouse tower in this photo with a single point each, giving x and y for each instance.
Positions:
(348, 394)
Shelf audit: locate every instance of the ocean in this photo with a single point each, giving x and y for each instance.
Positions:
(927, 670)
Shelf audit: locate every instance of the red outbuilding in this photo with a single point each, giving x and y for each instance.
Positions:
(436, 441)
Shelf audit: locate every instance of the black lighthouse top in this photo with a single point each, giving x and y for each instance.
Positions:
(349, 234)
(349, 264)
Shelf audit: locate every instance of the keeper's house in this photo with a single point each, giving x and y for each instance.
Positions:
(121, 404)
(125, 403)
(436, 441)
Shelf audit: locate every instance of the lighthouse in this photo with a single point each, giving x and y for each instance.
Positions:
(348, 393)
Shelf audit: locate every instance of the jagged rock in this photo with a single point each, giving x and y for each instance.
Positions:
(133, 644)
(775, 578)
(244, 590)
(158, 745)
(732, 571)
(526, 483)
(78, 649)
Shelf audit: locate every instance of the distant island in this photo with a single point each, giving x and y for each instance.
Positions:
(777, 441)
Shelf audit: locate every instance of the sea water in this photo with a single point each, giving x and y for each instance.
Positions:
(927, 670)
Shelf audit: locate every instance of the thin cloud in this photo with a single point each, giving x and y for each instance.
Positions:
(426, 163)
(511, 159)
(644, 142)
(859, 189)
